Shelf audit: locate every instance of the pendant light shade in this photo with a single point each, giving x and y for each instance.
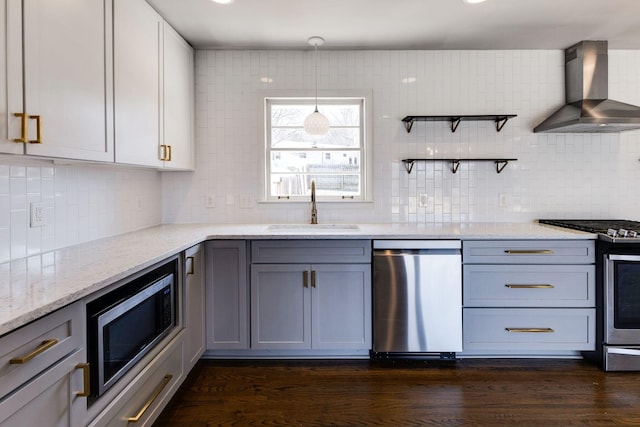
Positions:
(316, 123)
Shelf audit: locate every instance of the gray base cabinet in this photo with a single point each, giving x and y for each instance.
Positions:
(227, 303)
(311, 306)
(528, 298)
(292, 298)
(41, 375)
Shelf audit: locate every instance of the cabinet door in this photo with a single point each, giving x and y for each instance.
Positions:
(341, 296)
(11, 100)
(51, 399)
(67, 63)
(280, 306)
(194, 306)
(178, 101)
(226, 294)
(137, 86)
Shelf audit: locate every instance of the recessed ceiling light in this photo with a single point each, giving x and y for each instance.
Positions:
(474, 1)
(223, 1)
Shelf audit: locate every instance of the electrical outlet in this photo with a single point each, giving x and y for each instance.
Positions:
(210, 201)
(246, 201)
(38, 214)
(423, 200)
(502, 200)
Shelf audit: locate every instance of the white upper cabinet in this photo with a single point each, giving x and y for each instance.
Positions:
(153, 89)
(178, 102)
(66, 49)
(10, 76)
(137, 87)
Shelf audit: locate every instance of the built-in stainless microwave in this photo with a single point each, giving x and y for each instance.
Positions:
(125, 324)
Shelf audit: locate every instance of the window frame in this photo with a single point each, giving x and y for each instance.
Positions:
(327, 98)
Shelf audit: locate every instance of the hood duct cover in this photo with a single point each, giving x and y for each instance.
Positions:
(586, 91)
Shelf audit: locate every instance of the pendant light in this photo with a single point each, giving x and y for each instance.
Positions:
(316, 123)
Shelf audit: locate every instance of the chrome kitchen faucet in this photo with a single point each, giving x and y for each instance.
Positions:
(314, 210)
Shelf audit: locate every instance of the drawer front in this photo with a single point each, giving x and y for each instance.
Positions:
(514, 285)
(148, 394)
(311, 251)
(528, 251)
(529, 329)
(33, 348)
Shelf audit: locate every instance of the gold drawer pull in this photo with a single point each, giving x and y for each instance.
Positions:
(38, 139)
(153, 397)
(163, 155)
(529, 251)
(170, 157)
(44, 346)
(86, 383)
(305, 279)
(313, 278)
(529, 330)
(541, 286)
(24, 128)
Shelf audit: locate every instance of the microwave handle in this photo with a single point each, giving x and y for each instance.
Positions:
(624, 351)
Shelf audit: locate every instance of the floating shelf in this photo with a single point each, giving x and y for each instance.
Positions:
(455, 163)
(499, 119)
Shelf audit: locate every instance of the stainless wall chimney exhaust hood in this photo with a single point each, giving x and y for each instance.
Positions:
(588, 108)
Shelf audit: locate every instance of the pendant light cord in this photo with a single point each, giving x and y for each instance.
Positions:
(315, 65)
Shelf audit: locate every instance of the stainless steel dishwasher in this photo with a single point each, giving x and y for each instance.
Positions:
(417, 298)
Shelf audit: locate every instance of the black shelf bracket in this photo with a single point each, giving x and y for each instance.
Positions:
(500, 122)
(408, 124)
(500, 165)
(408, 164)
(455, 163)
(499, 119)
(455, 121)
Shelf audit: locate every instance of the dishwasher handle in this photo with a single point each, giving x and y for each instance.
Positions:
(413, 252)
(416, 244)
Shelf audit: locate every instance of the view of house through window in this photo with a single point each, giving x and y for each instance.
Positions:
(335, 161)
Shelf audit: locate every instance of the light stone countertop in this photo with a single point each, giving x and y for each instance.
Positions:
(38, 285)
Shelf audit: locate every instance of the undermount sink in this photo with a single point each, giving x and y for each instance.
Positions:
(313, 227)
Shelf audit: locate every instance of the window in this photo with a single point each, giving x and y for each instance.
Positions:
(337, 162)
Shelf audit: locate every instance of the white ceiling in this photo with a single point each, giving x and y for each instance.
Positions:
(404, 24)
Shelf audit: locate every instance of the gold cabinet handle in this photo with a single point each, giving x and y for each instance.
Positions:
(86, 380)
(191, 260)
(153, 397)
(44, 346)
(24, 128)
(313, 278)
(529, 251)
(532, 286)
(170, 153)
(163, 152)
(305, 279)
(38, 139)
(529, 330)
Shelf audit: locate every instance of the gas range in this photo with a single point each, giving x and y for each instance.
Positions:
(609, 230)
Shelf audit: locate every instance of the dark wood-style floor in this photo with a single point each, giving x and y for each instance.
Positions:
(468, 392)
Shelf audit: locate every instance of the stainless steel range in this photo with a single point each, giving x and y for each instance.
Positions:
(617, 290)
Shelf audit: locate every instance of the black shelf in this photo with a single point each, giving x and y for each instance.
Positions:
(455, 163)
(499, 119)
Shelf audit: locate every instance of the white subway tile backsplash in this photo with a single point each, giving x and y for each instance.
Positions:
(555, 175)
(82, 203)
